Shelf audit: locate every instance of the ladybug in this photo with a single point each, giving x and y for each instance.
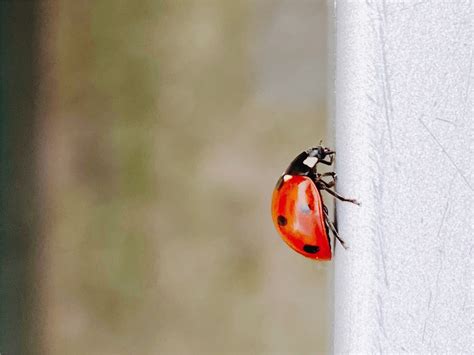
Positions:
(298, 210)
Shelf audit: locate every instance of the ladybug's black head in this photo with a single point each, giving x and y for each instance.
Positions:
(305, 163)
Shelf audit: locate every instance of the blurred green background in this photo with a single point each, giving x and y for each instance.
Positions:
(157, 131)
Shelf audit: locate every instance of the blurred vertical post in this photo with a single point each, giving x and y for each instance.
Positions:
(404, 137)
(18, 212)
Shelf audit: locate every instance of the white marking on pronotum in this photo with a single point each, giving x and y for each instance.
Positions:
(286, 177)
(310, 161)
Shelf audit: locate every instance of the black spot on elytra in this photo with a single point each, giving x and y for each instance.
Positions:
(282, 220)
(312, 249)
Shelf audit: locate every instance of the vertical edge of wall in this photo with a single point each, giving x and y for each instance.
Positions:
(330, 113)
(18, 171)
(404, 139)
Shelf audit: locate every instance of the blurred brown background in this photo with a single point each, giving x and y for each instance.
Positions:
(161, 129)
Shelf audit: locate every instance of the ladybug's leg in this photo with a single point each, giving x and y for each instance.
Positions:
(321, 153)
(320, 181)
(326, 153)
(339, 197)
(327, 184)
(333, 229)
(331, 174)
(324, 183)
(327, 162)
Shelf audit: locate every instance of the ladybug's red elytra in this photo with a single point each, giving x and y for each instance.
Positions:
(298, 210)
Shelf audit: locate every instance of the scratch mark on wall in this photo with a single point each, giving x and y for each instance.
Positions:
(447, 154)
(427, 317)
(447, 121)
(469, 78)
(438, 275)
(443, 218)
(387, 94)
(378, 187)
(441, 259)
(381, 320)
(382, 255)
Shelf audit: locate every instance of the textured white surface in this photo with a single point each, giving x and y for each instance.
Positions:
(405, 141)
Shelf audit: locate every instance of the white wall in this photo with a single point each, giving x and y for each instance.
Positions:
(405, 141)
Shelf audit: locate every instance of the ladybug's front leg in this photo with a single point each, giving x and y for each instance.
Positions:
(339, 197)
(331, 159)
(323, 185)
